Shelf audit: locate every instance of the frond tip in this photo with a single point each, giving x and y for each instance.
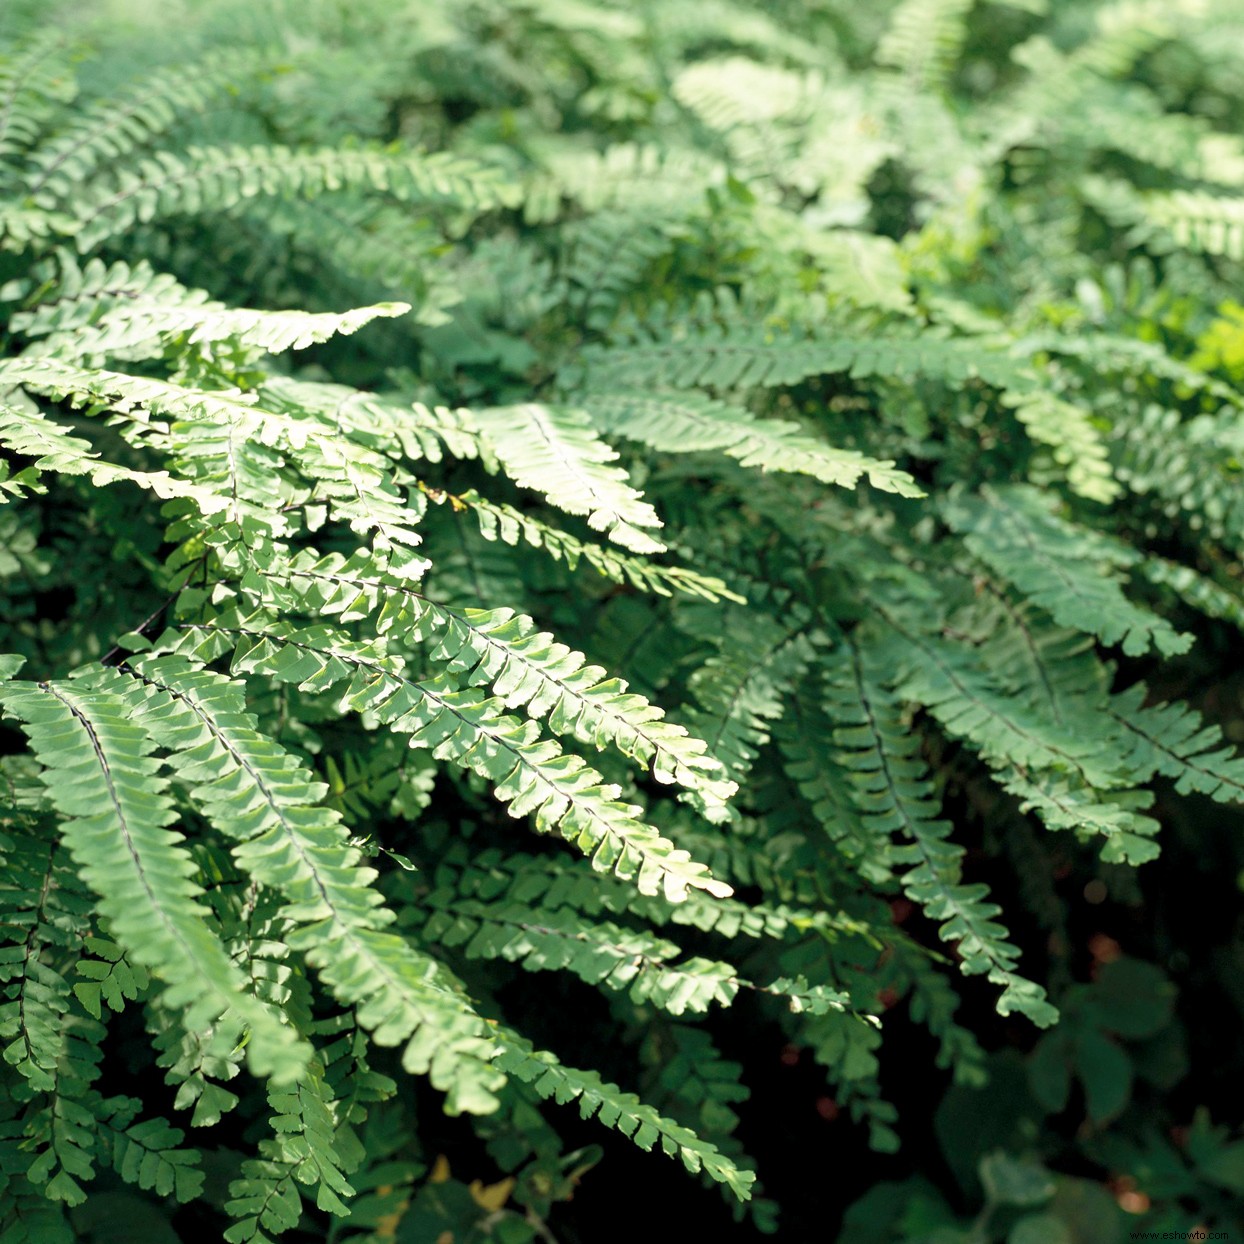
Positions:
(554, 451)
(622, 1111)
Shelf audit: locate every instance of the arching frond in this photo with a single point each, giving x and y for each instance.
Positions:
(554, 451)
(106, 786)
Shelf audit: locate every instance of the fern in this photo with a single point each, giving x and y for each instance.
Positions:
(53, 449)
(116, 829)
(241, 780)
(553, 451)
(470, 729)
(602, 954)
(111, 130)
(893, 794)
(1198, 220)
(524, 668)
(34, 79)
(740, 690)
(644, 532)
(1173, 741)
(923, 40)
(147, 1154)
(1078, 446)
(1053, 564)
(215, 180)
(733, 351)
(498, 521)
(624, 1111)
(118, 312)
(267, 1197)
(677, 423)
(41, 930)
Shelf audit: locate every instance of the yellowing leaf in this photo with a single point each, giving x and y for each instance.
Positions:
(491, 1196)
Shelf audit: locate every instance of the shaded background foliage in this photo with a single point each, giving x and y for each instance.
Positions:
(982, 262)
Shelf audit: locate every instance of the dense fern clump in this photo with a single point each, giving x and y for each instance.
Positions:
(715, 506)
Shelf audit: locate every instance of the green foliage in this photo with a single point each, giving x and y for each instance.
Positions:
(687, 502)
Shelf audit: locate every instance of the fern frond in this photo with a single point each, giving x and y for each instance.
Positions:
(863, 269)
(108, 978)
(600, 953)
(34, 80)
(1126, 30)
(1048, 755)
(1060, 567)
(735, 92)
(691, 1080)
(1173, 740)
(80, 296)
(933, 1004)
(742, 689)
(893, 793)
(689, 423)
(554, 451)
(355, 479)
(1197, 220)
(606, 256)
(60, 1127)
(121, 310)
(220, 179)
(1078, 446)
(528, 773)
(622, 1111)
(149, 1153)
(729, 349)
(662, 178)
(274, 332)
(28, 1216)
(257, 795)
(104, 781)
(524, 667)
(190, 1064)
(384, 423)
(846, 1046)
(1068, 803)
(1055, 669)
(558, 885)
(56, 451)
(1198, 591)
(498, 521)
(530, 668)
(805, 739)
(132, 313)
(302, 1151)
(1189, 467)
(944, 679)
(39, 935)
(1130, 356)
(923, 41)
(691, 1073)
(366, 242)
(383, 778)
(109, 130)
